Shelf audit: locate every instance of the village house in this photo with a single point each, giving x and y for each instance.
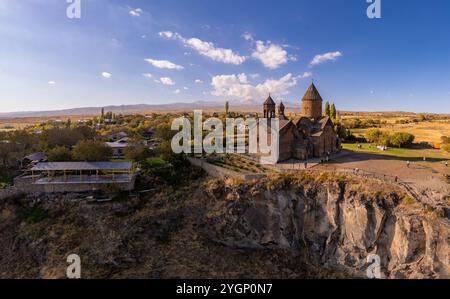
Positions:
(34, 158)
(118, 146)
(115, 136)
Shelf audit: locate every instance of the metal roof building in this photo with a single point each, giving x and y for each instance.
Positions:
(77, 177)
(77, 166)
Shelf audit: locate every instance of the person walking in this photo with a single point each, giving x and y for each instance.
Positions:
(446, 164)
(408, 163)
(396, 179)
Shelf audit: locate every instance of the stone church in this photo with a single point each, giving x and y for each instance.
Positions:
(310, 136)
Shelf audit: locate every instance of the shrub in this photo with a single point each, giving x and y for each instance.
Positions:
(59, 154)
(155, 162)
(409, 200)
(35, 214)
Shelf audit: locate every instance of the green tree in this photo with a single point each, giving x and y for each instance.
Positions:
(401, 139)
(59, 154)
(164, 131)
(333, 112)
(164, 150)
(92, 151)
(327, 109)
(60, 137)
(136, 151)
(377, 136)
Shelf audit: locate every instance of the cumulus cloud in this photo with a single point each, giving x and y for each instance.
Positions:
(164, 64)
(106, 75)
(51, 82)
(147, 75)
(136, 12)
(166, 81)
(271, 55)
(238, 86)
(207, 49)
(177, 91)
(321, 58)
(198, 81)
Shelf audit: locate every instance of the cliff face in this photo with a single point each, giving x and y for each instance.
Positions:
(275, 228)
(334, 226)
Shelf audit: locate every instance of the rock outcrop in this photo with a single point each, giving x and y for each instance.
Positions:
(334, 226)
(283, 227)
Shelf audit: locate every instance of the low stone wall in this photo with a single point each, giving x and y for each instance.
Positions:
(25, 185)
(9, 192)
(223, 173)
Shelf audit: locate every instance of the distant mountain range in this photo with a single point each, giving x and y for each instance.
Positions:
(207, 106)
(241, 106)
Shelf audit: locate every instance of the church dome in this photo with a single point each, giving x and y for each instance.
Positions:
(312, 94)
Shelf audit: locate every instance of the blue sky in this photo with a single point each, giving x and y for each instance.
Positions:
(156, 52)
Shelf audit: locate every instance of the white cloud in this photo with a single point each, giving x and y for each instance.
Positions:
(306, 75)
(247, 36)
(136, 12)
(198, 81)
(271, 55)
(185, 88)
(238, 86)
(207, 49)
(51, 82)
(321, 58)
(177, 91)
(164, 64)
(106, 75)
(167, 81)
(168, 34)
(147, 75)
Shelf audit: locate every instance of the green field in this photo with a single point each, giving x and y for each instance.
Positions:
(398, 152)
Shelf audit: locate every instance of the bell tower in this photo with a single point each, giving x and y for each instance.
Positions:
(269, 108)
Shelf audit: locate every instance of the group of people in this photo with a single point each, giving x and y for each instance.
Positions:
(408, 163)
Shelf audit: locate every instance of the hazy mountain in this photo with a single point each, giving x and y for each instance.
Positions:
(243, 106)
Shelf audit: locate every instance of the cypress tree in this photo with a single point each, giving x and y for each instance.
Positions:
(333, 112)
(327, 109)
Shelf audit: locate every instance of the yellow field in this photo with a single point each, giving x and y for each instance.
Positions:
(430, 132)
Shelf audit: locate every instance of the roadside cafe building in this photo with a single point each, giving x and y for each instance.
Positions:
(77, 177)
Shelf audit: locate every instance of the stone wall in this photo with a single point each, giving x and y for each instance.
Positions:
(311, 109)
(222, 173)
